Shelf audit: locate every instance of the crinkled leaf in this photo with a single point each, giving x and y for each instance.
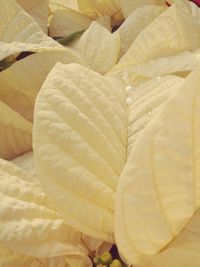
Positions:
(76, 164)
(29, 225)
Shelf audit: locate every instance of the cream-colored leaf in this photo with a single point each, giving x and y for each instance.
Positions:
(80, 145)
(128, 6)
(99, 48)
(20, 84)
(136, 23)
(19, 32)
(158, 191)
(65, 22)
(38, 9)
(15, 133)
(174, 31)
(29, 225)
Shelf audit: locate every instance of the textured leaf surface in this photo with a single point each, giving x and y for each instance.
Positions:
(29, 225)
(80, 145)
(99, 48)
(15, 133)
(161, 178)
(174, 31)
(19, 32)
(20, 84)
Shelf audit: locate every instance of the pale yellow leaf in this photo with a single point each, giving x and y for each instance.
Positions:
(182, 251)
(99, 48)
(104, 21)
(80, 145)
(62, 4)
(9, 258)
(38, 9)
(29, 224)
(86, 7)
(174, 31)
(15, 133)
(27, 163)
(180, 64)
(95, 8)
(19, 32)
(136, 23)
(195, 11)
(159, 190)
(20, 84)
(145, 101)
(128, 6)
(65, 22)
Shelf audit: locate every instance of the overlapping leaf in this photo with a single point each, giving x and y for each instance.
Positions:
(94, 8)
(99, 48)
(9, 258)
(38, 9)
(128, 6)
(20, 84)
(15, 133)
(80, 117)
(19, 32)
(180, 64)
(62, 4)
(161, 178)
(80, 141)
(29, 224)
(182, 251)
(174, 31)
(136, 23)
(66, 22)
